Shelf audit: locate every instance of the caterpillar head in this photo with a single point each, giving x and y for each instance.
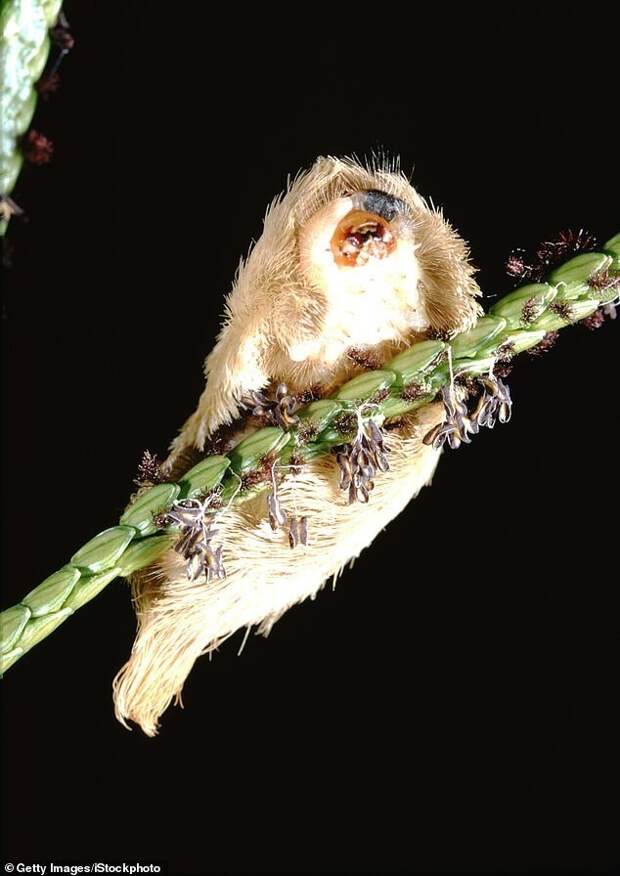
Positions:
(359, 259)
(350, 257)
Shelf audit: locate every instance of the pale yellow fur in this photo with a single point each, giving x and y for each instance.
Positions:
(274, 311)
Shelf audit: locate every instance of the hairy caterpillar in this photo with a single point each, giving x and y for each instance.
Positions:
(351, 267)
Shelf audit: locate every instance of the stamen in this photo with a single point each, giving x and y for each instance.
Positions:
(195, 519)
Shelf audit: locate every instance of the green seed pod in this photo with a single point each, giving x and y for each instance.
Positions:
(231, 487)
(39, 627)
(491, 350)
(203, 477)
(102, 551)
(612, 248)
(144, 552)
(24, 47)
(8, 659)
(23, 117)
(247, 455)
(364, 386)
(604, 296)
(474, 366)
(319, 413)
(317, 450)
(37, 62)
(410, 363)
(437, 379)
(511, 306)
(12, 622)
(470, 342)
(152, 502)
(51, 8)
(50, 595)
(523, 340)
(343, 431)
(613, 245)
(332, 437)
(9, 171)
(513, 311)
(572, 277)
(89, 586)
(396, 407)
(550, 321)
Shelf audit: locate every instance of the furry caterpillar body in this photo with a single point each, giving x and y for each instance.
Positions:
(352, 264)
(178, 619)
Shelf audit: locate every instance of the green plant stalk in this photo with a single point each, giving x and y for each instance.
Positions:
(517, 322)
(24, 47)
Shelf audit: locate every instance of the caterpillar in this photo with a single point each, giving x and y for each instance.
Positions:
(352, 266)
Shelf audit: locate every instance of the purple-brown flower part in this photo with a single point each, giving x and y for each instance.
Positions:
(360, 460)
(195, 520)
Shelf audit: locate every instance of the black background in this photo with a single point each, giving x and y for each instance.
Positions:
(448, 707)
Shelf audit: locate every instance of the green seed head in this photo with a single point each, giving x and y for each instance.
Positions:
(12, 622)
(7, 660)
(396, 407)
(521, 340)
(51, 594)
(248, 454)
(144, 552)
(102, 551)
(413, 362)
(152, 502)
(475, 367)
(612, 248)
(613, 244)
(319, 414)
(9, 171)
(37, 62)
(571, 278)
(38, 628)
(24, 115)
(536, 296)
(89, 586)
(204, 477)
(468, 343)
(365, 385)
(520, 321)
(551, 321)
